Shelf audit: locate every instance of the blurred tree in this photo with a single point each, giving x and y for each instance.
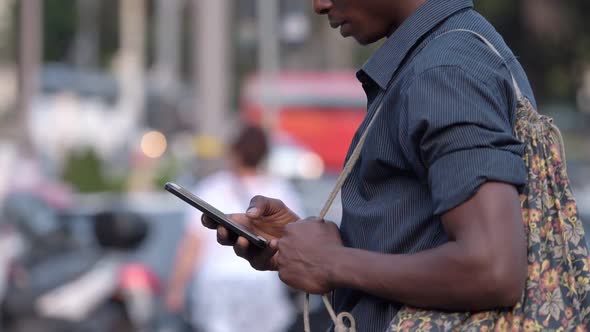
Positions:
(84, 171)
(59, 29)
(551, 39)
(8, 75)
(168, 21)
(86, 44)
(166, 170)
(108, 31)
(30, 59)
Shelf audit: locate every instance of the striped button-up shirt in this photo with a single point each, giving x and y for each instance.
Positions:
(446, 128)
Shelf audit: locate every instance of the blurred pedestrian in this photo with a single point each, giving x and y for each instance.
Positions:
(228, 295)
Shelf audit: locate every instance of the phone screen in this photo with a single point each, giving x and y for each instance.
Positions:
(213, 213)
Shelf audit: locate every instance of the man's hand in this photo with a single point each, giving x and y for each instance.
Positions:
(304, 253)
(266, 217)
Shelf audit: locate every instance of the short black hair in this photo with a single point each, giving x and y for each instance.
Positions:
(250, 146)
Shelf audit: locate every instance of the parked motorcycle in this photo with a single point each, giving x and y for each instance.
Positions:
(61, 281)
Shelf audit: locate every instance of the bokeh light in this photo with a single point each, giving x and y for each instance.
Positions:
(153, 144)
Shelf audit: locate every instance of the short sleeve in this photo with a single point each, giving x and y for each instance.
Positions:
(459, 133)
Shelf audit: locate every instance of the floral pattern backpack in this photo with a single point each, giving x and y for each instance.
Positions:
(556, 296)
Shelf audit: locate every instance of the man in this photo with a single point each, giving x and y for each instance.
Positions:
(431, 213)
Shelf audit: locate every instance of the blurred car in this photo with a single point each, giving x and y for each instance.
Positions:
(320, 111)
(80, 108)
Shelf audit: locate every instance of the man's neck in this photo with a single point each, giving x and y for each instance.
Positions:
(245, 171)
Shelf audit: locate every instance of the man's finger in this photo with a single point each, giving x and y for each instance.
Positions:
(262, 206)
(274, 244)
(207, 222)
(241, 247)
(225, 237)
(263, 259)
(257, 206)
(274, 261)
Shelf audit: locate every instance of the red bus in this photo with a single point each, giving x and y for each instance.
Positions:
(319, 110)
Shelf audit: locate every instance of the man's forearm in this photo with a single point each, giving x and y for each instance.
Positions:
(444, 278)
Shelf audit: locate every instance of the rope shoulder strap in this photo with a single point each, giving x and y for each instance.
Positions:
(340, 325)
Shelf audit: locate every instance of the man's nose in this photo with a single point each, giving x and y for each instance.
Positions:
(322, 7)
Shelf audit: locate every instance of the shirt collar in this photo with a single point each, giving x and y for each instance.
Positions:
(384, 63)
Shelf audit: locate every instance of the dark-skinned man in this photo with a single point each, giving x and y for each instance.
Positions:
(431, 213)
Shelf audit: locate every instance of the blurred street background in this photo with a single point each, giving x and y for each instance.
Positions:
(104, 101)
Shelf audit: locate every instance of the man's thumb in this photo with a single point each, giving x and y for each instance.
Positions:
(253, 212)
(258, 204)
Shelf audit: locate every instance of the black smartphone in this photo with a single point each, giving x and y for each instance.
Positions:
(216, 215)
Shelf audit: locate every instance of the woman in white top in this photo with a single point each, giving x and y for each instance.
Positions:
(229, 295)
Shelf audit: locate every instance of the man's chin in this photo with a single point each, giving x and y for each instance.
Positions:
(363, 40)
